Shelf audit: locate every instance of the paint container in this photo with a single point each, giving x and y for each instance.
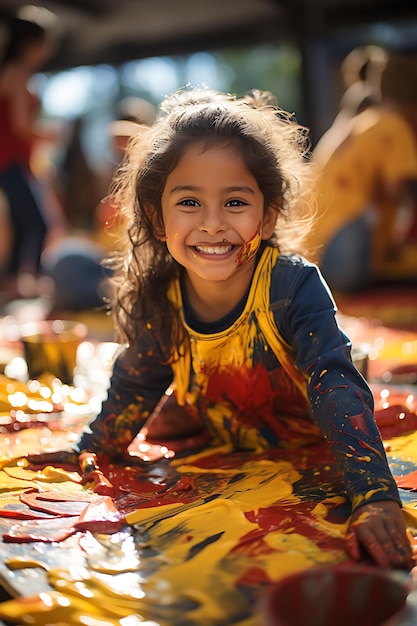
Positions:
(50, 347)
(343, 595)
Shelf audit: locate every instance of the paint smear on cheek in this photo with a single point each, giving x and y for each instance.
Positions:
(249, 248)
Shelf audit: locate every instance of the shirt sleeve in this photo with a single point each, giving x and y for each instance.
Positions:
(341, 400)
(139, 379)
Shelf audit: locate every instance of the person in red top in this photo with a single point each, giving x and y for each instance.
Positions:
(29, 44)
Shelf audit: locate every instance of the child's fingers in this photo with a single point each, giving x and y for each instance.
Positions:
(352, 546)
(385, 549)
(373, 546)
(381, 551)
(395, 541)
(379, 528)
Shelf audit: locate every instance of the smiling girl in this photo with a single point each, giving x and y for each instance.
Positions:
(231, 337)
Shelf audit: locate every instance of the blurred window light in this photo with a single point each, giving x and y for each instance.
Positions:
(73, 93)
(156, 75)
(204, 70)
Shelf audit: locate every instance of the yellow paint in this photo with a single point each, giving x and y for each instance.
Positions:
(230, 348)
(335, 530)
(405, 448)
(18, 478)
(47, 474)
(201, 579)
(366, 459)
(61, 608)
(358, 500)
(179, 462)
(263, 483)
(184, 568)
(21, 562)
(249, 249)
(153, 513)
(8, 483)
(207, 579)
(294, 553)
(410, 517)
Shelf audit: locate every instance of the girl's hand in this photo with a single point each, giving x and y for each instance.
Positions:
(380, 530)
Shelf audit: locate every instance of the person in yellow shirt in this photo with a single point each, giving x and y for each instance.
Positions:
(364, 189)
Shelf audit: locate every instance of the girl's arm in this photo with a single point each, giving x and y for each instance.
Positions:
(341, 401)
(139, 379)
(342, 407)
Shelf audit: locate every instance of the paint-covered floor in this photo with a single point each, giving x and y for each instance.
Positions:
(201, 539)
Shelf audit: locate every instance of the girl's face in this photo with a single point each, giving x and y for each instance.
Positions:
(213, 212)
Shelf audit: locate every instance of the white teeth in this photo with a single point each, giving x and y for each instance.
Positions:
(214, 250)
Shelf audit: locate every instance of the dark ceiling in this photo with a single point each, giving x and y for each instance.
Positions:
(113, 31)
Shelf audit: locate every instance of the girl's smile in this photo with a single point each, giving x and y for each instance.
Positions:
(213, 209)
(217, 250)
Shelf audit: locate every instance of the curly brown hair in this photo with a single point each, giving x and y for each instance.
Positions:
(273, 147)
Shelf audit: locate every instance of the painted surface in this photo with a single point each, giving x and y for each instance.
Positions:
(185, 541)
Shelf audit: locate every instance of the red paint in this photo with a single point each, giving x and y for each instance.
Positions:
(246, 387)
(249, 248)
(409, 481)
(359, 422)
(49, 505)
(347, 594)
(366, 446)
(395, 420)
(16, 511)
(324, 391)
(296, 518)
(100, 516)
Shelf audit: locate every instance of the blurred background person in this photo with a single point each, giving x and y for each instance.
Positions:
(76, 183)
(74, 262)
(361, 77)
(132, 112)
(30, 42)
(365, 184)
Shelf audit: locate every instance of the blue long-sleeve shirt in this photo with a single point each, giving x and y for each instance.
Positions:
(276, 371)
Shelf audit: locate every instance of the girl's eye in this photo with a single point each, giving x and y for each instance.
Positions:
(233, 203)
(188, 202)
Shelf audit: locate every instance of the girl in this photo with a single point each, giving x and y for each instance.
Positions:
(215, 308)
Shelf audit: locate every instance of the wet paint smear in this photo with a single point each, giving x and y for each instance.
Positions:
(193, 540)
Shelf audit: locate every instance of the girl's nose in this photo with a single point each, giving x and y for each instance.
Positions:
(212, 221)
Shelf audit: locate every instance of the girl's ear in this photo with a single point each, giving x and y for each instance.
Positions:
(269, 222)
(157, 224)
(159, 233)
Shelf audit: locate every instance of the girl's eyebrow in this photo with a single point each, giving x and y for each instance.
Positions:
(178, 188)
(234, 189)
(242, 189)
